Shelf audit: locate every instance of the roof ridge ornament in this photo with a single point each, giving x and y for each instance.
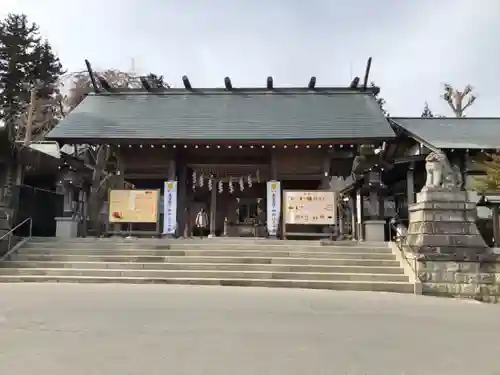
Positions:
(187, 84)
(312, 83)
(269, 83)
(367, 73)
(227, 83)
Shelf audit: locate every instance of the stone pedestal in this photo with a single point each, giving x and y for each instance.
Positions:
(66, 227)
(374, 230)
(443, 225)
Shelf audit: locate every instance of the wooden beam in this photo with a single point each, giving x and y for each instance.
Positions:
(354, 84)
(145, 83)
(92, 76)
(228, 84)
(187, 84)
(312, 83)
(105, 85)
(269, 83)
(367, 73)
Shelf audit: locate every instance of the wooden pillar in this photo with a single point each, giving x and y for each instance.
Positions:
(213, 208)
(341, 212)
(274, 166)
(325, 177)
(120, 181)
(85, 210)
(353, 209)
(172, 169)
(410, 184)
(182, 212)
(359, 216)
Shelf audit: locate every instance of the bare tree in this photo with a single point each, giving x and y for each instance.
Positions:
(80, 84)
(105, 160)
(459, 101)
(106, 173)
(39, 116)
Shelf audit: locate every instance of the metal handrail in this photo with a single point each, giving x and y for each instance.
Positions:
(400, 245)
(11, 231)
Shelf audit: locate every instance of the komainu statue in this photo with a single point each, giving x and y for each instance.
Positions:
(440, 173)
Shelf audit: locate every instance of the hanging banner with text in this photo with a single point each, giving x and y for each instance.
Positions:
(170, 208)
(273, 207)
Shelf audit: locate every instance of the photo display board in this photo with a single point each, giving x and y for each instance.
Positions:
(133, 206)
(310, 207)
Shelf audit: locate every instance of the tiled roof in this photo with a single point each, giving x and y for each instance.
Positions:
(240, 114)
(454, 133)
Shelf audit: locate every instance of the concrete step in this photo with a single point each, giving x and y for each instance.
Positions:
(395, 287)
(201, 246)
(349, 260)
(196, 274)
(239, 240)
(228, 252)
(206, 267)
(222, 261)
(196, 240)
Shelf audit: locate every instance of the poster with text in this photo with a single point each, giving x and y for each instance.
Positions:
(170, 208)
(133, 206)
(273, 207)
(310, 207)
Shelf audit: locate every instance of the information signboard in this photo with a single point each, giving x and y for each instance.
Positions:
(310, 207)
(133, 206)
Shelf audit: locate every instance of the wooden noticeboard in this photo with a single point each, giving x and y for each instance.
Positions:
(310, 207)
(134, 206)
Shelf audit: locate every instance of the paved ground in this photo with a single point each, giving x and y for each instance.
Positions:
(137, 329)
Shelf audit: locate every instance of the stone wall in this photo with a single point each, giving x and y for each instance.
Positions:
(474, 280)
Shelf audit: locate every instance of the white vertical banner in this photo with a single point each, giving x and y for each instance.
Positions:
(170, 207)
(273, 206)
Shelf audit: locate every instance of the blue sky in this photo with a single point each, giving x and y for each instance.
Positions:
(416, 45)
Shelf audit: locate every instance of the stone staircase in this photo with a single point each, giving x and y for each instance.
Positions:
(237, 262)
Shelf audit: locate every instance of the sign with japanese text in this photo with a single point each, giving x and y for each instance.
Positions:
(310, 207)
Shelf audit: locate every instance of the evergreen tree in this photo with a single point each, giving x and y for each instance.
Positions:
(427, 111)
(24, 60)
(18, 39)
(47, 69)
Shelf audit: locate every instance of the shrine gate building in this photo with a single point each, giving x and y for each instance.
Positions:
(223, 144)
